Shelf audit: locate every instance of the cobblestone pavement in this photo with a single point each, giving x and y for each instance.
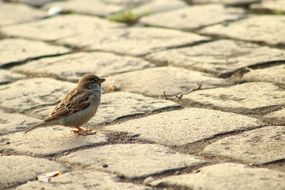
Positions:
(229, 134)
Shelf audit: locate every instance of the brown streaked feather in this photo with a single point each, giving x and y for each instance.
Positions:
(73, 102)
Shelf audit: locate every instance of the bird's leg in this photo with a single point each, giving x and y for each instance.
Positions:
(82, 131)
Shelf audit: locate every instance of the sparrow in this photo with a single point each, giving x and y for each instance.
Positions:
(77, 107)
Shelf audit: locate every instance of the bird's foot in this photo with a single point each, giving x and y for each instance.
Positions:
(82, 131)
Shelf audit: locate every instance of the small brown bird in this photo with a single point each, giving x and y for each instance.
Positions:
(77, 107)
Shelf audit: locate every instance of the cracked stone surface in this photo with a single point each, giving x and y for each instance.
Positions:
(59, 27)
(277, 116)
(19, 50)
(275, 74)
(276, 6)
(226, 176)
(7, 76)
(74, 66)
(154, 81)
(254, 28)
(20, 13)
(137, 41)
(132, 160)
(191, 125)
(119, 105)
(257, 146)
(32, 94)
(11, 122)
(88, 179)
(47, 141)
(221, 57)
(19, 169)
(204, 15)
(261, 97)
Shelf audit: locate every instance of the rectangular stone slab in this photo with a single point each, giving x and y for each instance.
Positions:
(132, 160)
(221, 57)
(258, 146)
(185, 126)
(228, 176)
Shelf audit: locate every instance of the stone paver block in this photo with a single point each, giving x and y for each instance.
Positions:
(137, 41)
(119, 105)
(275, 74)
(59, 27)
(19, 50)
(221, 57)
(277, 116)
(47, 141)
(83, 180)
(30, 94)
(14, 122)
(19, 169)
(154, 81)
(256, 146)
(194, 17)
(74, 66)
(255, 28)
(7, 76)
(20, 13)
(247, 97)
(132, 160)
(226, 176)
(276, 6)
(185, 126)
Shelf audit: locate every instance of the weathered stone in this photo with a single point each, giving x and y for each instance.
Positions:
(156, 6)
(19, 169)
(14, 122)
(154, 81)
(47, 141)
(132, 160)
(255, 28)
(246, 98)
(74, 66)
(226, 176)
(119, 105)
(59, 27)
(137, 41)
(185, 126)
(257, 146)
(20, 13)
(7, 76)
(276, 117)
(83, 180)
(194, 17)
(275, 74)
(31, 94)
(19, 50)
(221, 57)
(275, 6)
(226, 2)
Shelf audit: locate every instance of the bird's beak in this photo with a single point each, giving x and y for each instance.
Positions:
(101, 80)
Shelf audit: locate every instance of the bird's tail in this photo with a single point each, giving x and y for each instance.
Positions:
(36, 126)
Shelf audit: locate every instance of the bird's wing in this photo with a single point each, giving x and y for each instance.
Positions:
(76, 100)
